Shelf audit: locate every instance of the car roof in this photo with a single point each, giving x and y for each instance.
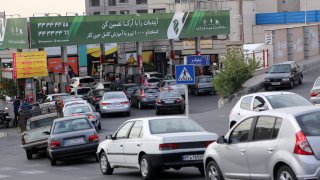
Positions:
(84, 77)
(78, 105)
(60, 94)
(70, 118)
(295, 111)
(130, 84)
(205, 76)
(114, 92)
(156, 117)
(268, 93)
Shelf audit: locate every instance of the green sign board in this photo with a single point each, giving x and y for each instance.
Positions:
(13, 33)
(76, 30)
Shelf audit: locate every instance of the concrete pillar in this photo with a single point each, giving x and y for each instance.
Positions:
(64, 79)
(102, 59)
(140, 63)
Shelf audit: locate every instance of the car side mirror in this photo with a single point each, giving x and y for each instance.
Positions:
(221, 140)
(46, 133)
(110, 136)
(262, 109)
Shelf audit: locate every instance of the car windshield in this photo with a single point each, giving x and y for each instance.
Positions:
(205, 80)
(171, 94)
(114, 96)
(42, 123)
(317, 83)
(73, 103)
(130, 89)
(99, 93)
(76, 110)
(153, 80)
(87, 80)
(83, 91)
(310, 123)
(71, 125)
(287, 100)
(280, 68)
(151, 90)
(173, 125)
(62, 96)
(157, 75)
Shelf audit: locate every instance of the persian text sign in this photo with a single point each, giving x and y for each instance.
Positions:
(29, 64)
(13, 33)
(76, 30)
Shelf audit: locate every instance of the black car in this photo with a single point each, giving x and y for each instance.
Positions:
(283, 75)
(128, 89)
(203, 84)
(144, 96)
(170, 101)
(95, 95)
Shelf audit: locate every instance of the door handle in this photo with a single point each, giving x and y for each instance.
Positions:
(243, 151)
(121, 145)
(138, 145)
(270, 150)
(238, 113)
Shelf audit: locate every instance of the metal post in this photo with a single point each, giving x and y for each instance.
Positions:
(198, 46)
(263, 58)
(102, 59)
(140, 63)
(64, 76)
(186, 91)
(171, 55)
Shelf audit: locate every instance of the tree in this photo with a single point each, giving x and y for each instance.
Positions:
(236, 71)
(7, 88)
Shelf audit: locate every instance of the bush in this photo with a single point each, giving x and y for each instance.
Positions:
(7, 88)
(236, 71)
(148, 67)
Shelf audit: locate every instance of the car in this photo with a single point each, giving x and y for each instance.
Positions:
(315, 96)
(84, 109)
(74, 102)
(151, 82)
(86, 81)
(144, 97)
(283, 75)
(169, 77)
(94, 96)
(277, 144)
(33, 140)
(79, 91)
(114, 102)
(262, 101)
(70, 137)
(170, 101)
(103, 85)
(129, 88)
(153, 144)
(166, 85)
(149, 75)
(48, 102)
(203, 84)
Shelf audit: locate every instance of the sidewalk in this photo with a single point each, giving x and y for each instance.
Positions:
(256, 82)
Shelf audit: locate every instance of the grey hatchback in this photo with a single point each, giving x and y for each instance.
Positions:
(72, 136)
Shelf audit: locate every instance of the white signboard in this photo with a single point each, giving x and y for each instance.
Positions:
(268, 38)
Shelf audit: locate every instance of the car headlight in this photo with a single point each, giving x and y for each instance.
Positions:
(267, 80)
(285, 79)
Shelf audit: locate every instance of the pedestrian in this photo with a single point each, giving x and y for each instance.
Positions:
(25, 105)
(16, 106)
(59, 106)
(70, 72)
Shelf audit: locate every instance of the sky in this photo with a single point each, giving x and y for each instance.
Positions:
(27, 8)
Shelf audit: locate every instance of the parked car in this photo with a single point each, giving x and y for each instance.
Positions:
(103, 85)
(152, 82)
(153, 144)
(86, 81)
(79, 91)
(114, 102)
(278, 144)
(169, 77)
(144, 96)
(94, 96)
(170, 101)
(33, 140)
(129, 88)
(262, 101)
(149, 75)
(48, 102)
(167, 85)
(84, 109)
(74, 102)
(283, 75)
(315, 96)
(203, 84)
(70, 137)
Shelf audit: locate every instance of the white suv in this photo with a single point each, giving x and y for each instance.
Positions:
(86, 81)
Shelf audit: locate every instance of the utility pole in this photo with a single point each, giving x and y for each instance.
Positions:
(241, 20)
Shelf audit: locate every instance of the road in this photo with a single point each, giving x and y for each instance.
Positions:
(14, 164)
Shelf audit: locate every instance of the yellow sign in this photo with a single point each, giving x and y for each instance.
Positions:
(30, 64)
(205, 44)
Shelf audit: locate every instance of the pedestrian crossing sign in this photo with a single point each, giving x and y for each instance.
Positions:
(185, 74)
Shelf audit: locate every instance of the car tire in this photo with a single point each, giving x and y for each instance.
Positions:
(286, 172)
(53, 162)
(146, 170)
(291, 86)
(105, 165)
(29, 154)
(300, 79)
(140, 105)
(213, 171)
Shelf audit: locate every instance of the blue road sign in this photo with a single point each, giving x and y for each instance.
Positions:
(185, 74)
(198, 60)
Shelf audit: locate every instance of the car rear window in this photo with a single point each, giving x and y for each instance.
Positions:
(42, 123)
(114, 96)
(71, 125)
(205, 80)
(310, 123)
(151, 90)
(317, 83)
(171, 94)
(83, 90)
(71, 110)
(153, 80)
(287, 100)
(130, 89)
(64, 96)
(87, 80)
(156, 75)
(173, 125)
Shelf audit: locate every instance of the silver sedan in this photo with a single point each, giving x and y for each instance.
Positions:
(114, 102)
(315, 92)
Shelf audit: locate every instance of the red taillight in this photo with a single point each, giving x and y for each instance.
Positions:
(106, 104)
(179, 101)
(125, 103)
(207, 143)
(314, 94)
(94, 138)
(170, 88)
(22, 140)
(54, 144)
(96, 98)
(168, 146)
(90, 117)
(158, 101)
(302, 146)
(79, 85)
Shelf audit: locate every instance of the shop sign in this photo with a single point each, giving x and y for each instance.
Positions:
(204, 44)
(13, 33)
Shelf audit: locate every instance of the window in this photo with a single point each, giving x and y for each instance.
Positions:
(162, 10)
(71, 125)
(136, 130)
(123, 1)
(264, 128)
(246, 102)
(42, 122)
(87, 80)
(123, 131)
(258, 103)
(287, 100)
(112, 2)
(241, 132)
(112, 12)
(141, 11)
(96, 13)
(76, 110)
(142, 1)
(95, 3)
(124, 12)
(310, 123)
(276, 128)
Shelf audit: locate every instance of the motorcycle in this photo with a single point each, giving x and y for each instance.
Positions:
(4, 118)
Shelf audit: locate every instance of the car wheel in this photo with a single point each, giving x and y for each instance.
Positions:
(145, 168)
(53, 162)
(29, 154)
(291, 84)
(213, 171)
(105, 165)
(140, 105)
(286, 173)
(300, 80)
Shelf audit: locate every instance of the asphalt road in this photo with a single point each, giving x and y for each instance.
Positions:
(14, 164)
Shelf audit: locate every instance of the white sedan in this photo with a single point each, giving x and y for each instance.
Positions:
(155, 143)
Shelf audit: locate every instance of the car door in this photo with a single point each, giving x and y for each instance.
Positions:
(115, 148)
(262, 146)
(233, 153)
(133, 144)
(244, 109)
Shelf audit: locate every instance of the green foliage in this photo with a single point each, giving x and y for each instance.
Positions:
(148, 67)
(7, 88)
(236, 71)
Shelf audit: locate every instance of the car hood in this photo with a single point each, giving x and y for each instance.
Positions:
(277, 75)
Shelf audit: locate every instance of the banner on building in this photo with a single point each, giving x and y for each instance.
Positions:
(13, 33)
(77, 30)
(204, 44)
(29, 64)
(55, 65)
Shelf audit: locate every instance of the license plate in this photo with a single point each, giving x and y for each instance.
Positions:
(275, 83)
(169, 102)
(192, 157)
(74, 141)
(116, 104)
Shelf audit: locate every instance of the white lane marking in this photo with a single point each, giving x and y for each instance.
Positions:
(92, 177)
(4, 176)
(33, 165)
(69, 168)
(7, 168)
(33, 172)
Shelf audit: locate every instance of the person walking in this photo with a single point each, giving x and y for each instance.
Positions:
(16, 106)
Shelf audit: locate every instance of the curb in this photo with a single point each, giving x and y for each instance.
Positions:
(3, 135)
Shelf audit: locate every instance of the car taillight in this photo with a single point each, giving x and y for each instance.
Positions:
(90, 117)
(79, 85)
(168, 146)
(94, 138)
(125, 103)
(302, 146)
(23, 140)
(158, 101)
(207, 143)
(106, 104)
(179, 101)
(314, 94)
(170, 88)
(54, 144)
